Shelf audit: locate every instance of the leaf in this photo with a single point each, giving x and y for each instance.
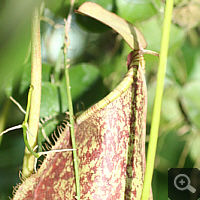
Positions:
(111, 153)
(49, 100)
(82, 76)
(152, 30)
(135, 10)
(191, 96)
(131, 34)
(26, 76)
(169, 144)
(195, 147)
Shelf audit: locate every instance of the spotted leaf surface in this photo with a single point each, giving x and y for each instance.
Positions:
(111, 153)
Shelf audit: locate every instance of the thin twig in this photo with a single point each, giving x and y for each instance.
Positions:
(17, 104)
(71, 115)
(11, 129)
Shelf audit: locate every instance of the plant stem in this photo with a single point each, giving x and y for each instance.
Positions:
(25, 124)
(36, 72)
(69, 99)
(71, 118)
(158, 100)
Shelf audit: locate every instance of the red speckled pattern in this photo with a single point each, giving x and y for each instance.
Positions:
(111, 152)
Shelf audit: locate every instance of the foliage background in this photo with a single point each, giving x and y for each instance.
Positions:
(98, 63)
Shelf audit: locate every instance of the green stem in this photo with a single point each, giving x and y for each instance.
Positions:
(158, 101)
(25, 124)
(36, 72)
(59, 61)
(71, 118)
(69, 99)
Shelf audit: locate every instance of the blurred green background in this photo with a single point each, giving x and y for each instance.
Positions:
(98, 63)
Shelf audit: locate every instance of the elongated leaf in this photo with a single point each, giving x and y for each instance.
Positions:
(131, 34)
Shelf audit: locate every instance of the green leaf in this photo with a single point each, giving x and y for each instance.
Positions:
(15, 17)
(8, 84)
(26, 76)
(58, 7)
(82, 76)
(195, 147)
(49, 100)
(192, 61)
(191, 96)
(152, 30)
(170, 143)
(134, 10)
(170, 109)
(108, 4)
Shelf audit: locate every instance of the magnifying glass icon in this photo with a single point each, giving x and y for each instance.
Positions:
(182, 182)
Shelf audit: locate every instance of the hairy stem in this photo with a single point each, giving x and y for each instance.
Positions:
(36, 71)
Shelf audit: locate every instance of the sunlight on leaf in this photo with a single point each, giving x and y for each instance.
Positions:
(131, 34)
